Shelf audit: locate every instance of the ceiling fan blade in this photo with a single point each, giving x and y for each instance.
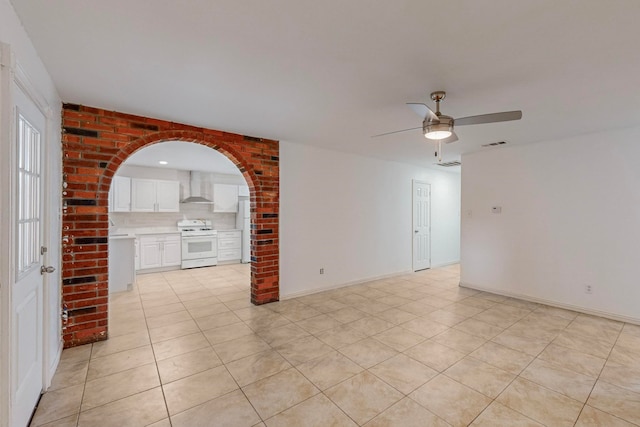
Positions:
(452, 138)
(504, 116)
(395, 131)
(423, 111)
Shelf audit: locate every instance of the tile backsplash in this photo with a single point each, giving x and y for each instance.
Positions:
(220, 221)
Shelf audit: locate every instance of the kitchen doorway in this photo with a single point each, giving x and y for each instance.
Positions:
(180, 206)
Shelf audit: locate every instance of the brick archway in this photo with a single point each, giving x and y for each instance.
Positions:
(95, 143)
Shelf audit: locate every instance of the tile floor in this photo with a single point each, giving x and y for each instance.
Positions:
(187, 348)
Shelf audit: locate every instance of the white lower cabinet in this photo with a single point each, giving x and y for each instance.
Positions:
(159, 250)
(229, 245)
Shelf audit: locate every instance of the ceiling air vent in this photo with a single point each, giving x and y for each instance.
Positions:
(493, 144)
(449, 164)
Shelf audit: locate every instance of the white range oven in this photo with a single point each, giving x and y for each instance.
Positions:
(199, 243)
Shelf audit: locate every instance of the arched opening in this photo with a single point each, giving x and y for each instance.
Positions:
(95, 144)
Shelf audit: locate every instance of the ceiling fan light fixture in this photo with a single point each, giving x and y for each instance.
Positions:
(438, 131)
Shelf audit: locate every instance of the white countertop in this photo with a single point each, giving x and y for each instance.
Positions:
(131, 232)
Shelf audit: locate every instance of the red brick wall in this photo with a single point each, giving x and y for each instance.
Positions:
(95, 143)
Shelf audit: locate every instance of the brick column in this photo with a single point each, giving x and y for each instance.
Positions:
(95, 143)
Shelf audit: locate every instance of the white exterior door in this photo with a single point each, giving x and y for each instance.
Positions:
(421, 225)
(27, 290)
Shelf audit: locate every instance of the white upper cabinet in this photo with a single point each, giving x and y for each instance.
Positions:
(120, 194)
(225, 198)
(153, 195)
(168, 196)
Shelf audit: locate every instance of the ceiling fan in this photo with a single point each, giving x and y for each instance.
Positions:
(439, 127)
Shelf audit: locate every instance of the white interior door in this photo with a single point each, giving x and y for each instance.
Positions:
(27, 290)
(421, 225)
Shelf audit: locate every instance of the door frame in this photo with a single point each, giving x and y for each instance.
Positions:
(12, 73)
(413, 221)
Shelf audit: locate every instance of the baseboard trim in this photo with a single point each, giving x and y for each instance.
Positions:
(343, 285)
(579, 309)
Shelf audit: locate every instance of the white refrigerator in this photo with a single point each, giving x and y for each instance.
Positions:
(243, 222)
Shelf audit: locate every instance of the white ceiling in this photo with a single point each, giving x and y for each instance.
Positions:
(332, 73)
(183, 156)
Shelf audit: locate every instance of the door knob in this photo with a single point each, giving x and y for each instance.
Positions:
(48, 269)
(416, 231)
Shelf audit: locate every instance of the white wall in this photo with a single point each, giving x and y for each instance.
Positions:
(351, 215)
(570, 217)
(13, 34)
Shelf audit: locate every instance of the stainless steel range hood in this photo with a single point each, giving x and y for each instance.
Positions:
(196, 195)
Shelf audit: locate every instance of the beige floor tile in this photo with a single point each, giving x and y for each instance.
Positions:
(201, 302)
(590, 345)
(340, 336)
(217, 320)
(497, 414)
(176, 346)
(138, 410)
(419, 308)
(371, 325)
(276, 336)
(70, 421)
(524, 344)
(407, 413)
(162, 423)
(118, 362)
(557, 312)
(434, 355)
(596, 327)
(592, 417)
(227, 333)
(232, 410)
(120, 343)
(474, 301)
(425, 327)
(173, 331)
(616, 401)
(187, 364)
(403, 373)
(240, 347)
(117, 386)
(168, 319)
(540, 404)
(396, 316)
(318, 411)
(58, 404)
(625, 356)
(318, 323)
(368, 352)
(478, 329)
(196, 389)
(629, 340)
(347, 314)
(399, 338)
(329, 370)
(363, 396)
(480, 376)
(76, 354)
(573, 360)
(163, 309)
(459, 340)
(557, 378)
(502, 357)
(69, 372)
(624, 376)
(455, 403)
(257, 366)
(445, 317)
(303, 349)
(279, 392)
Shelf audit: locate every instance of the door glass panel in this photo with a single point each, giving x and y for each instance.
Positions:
(28, 232)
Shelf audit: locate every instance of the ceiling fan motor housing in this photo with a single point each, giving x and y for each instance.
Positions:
(443, 124)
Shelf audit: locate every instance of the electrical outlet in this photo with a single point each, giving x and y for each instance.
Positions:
(588, 289)
(322, 271)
